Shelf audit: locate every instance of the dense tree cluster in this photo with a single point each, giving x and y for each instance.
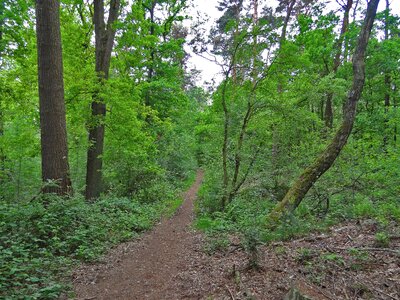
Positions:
(101, 121)
(126, 97)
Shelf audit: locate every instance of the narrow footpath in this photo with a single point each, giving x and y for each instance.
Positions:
(144, 269)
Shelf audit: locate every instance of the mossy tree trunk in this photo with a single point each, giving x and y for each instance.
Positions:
(301, 186)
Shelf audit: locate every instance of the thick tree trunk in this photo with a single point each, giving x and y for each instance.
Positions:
(301, 186)
(51, 95)
(104, 36)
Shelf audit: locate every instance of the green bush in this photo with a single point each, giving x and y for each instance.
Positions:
(42, 239)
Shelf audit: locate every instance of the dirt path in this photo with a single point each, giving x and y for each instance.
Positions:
(170, 263)
(144, 269)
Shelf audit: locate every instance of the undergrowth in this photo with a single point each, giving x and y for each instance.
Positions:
(41, 240)
(248, 212)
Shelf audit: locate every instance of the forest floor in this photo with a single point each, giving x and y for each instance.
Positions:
(170, 262)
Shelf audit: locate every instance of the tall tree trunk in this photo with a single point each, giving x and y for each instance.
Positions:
(104, 36)
(336, 61)
(2, 154)
(289, 9)
(235, 183)
(151, 9)
(395, 109)
(306, 180)
(275, 136)
(235, 35)
(224, 153)
(54, 146)
(152, 33)
(387, 80)
(2, 11)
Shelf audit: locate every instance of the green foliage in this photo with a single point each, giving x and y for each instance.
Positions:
(159, 126)
(305, 255)
(359, 259)
(215, 243)
(287, 128)
(41, 240)
(382, 239)
(251, 241)
(334, 257)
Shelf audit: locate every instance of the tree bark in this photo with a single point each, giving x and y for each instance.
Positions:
(225, 143)
(246, 119)
(152, 33)
(275, 137)
(2, 155)
(336, 61)
(289, 9)
(387, 81)
(104, 36)
(2, 10)
(306, 180)
(54, 146)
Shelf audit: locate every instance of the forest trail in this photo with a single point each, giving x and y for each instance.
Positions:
(174, 261)
(144, 269)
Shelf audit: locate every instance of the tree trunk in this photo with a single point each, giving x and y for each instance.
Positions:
(225, 144)
(387, 80)
(395, 109)
(301, 186)
(336, 62)
(104, 36)
(152, 33)
(2, 155)
(289, 9)
(151, 9)
(2, 17)
(54, 146)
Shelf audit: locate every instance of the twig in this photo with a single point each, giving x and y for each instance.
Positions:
(359, 281)
(370, 249)
(317, 288)
(230, 293)
(312, 238)
(344, 289)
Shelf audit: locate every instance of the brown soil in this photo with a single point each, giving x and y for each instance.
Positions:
(170, 263)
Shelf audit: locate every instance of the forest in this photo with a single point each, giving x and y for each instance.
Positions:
(106, 121)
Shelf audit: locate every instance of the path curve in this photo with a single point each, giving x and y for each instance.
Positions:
(148, 269)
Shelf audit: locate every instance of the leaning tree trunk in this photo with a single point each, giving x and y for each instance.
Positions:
(104, 36)
(53, 127)
(301, 186)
